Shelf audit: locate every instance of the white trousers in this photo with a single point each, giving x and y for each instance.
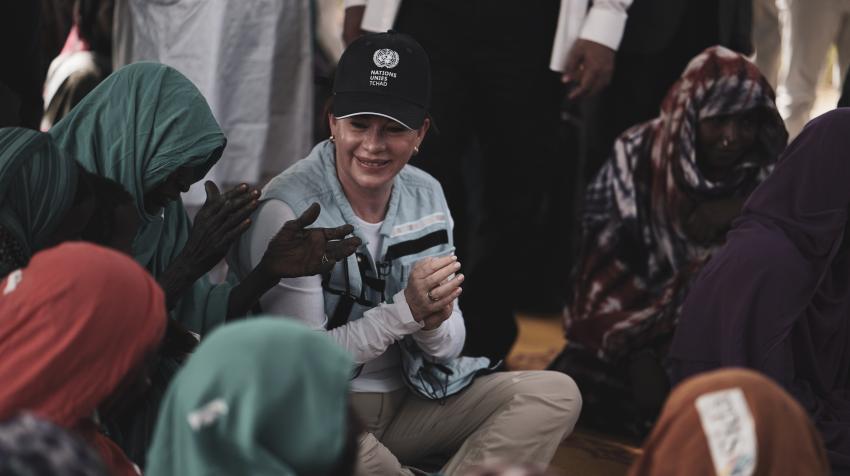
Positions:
(815, 26)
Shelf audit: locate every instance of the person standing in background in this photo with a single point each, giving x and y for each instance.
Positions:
(493, 81)
(815, 26)
(252, 61)
(767, 39)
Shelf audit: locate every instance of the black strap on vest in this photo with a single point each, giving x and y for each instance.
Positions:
(346, 301)
(407, 248)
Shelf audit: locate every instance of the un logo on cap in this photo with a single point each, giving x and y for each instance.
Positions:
(385, 58)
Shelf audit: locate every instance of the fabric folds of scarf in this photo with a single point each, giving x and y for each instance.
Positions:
(636, 259)
(138, 126)
(37, 187)
(776, 296)
(75, 322)
(734, 422)
(263, 397)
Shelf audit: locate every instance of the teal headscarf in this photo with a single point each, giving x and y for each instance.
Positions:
(37, 187)
(138, 126)
(265, 396)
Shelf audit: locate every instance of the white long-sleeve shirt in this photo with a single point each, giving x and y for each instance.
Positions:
(604, 23)
(371, 340)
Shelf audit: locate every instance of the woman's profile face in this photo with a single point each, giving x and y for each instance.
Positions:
(168, 191)
(722, 141)
(371, 150)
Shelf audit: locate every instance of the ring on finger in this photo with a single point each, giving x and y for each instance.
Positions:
(432, 298)
(325, 259)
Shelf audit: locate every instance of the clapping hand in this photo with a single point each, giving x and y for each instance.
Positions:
(430, 293)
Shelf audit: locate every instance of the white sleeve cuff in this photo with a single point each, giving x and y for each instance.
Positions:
(403, 322)
(354, 3)
(604, 26)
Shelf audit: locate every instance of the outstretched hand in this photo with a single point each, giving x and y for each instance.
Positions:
(300, 251)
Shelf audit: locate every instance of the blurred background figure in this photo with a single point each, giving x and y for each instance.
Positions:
(767, 38)
(85, 60)
(732, 422)
(31, 446)
(815, 26)
(253, 62)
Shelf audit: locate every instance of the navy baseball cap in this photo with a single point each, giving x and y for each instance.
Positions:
(384, 74)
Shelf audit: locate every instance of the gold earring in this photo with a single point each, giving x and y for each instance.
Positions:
(332, 139)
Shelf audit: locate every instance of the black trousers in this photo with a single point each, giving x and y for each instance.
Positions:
(492, 87)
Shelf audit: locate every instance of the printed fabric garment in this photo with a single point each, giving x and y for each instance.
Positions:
(138, 126)
(636, 259)
(37, 187)
(267, 396)
(732, 422)
(31, 446)
(75, 322)
(776, 296)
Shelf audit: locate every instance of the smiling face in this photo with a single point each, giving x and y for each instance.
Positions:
(371, 150)
(722, 141)
(169, 190)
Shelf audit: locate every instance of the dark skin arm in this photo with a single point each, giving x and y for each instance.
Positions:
(295, 251)
(351, 24)
(222, 219)
(709, 221)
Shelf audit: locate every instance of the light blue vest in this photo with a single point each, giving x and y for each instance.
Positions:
(416, 226)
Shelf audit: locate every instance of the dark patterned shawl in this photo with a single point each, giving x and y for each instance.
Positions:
(635, 259)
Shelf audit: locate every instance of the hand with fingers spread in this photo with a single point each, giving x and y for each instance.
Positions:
(589, 68)
(298, 251)
(293, 252)
(430, 293)
(222, 219)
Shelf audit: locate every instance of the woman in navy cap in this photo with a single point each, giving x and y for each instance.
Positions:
(393, 304)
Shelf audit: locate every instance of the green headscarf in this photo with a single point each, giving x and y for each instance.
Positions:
(265, 396)
(137, 127)
(37, 187)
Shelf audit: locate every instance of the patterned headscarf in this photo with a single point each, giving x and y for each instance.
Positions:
(636, 258)
(30, 446)
(37, 187)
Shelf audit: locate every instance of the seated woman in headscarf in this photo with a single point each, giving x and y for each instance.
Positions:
(655, 212)
(776, 296)
(732, 422)
(233, 409)
(45, 197)
(150, 129)
(393, 305)
(79, 325)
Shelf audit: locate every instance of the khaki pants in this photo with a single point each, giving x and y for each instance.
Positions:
(519, 417)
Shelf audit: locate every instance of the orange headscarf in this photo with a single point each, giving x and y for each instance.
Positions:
(732, 421)
(74, 323)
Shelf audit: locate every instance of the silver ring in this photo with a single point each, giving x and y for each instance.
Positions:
(432, 298)
(325, 259)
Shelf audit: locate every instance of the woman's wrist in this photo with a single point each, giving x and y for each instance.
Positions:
(179, 276)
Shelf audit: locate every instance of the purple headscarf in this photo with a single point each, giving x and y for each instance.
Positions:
(776, 296)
